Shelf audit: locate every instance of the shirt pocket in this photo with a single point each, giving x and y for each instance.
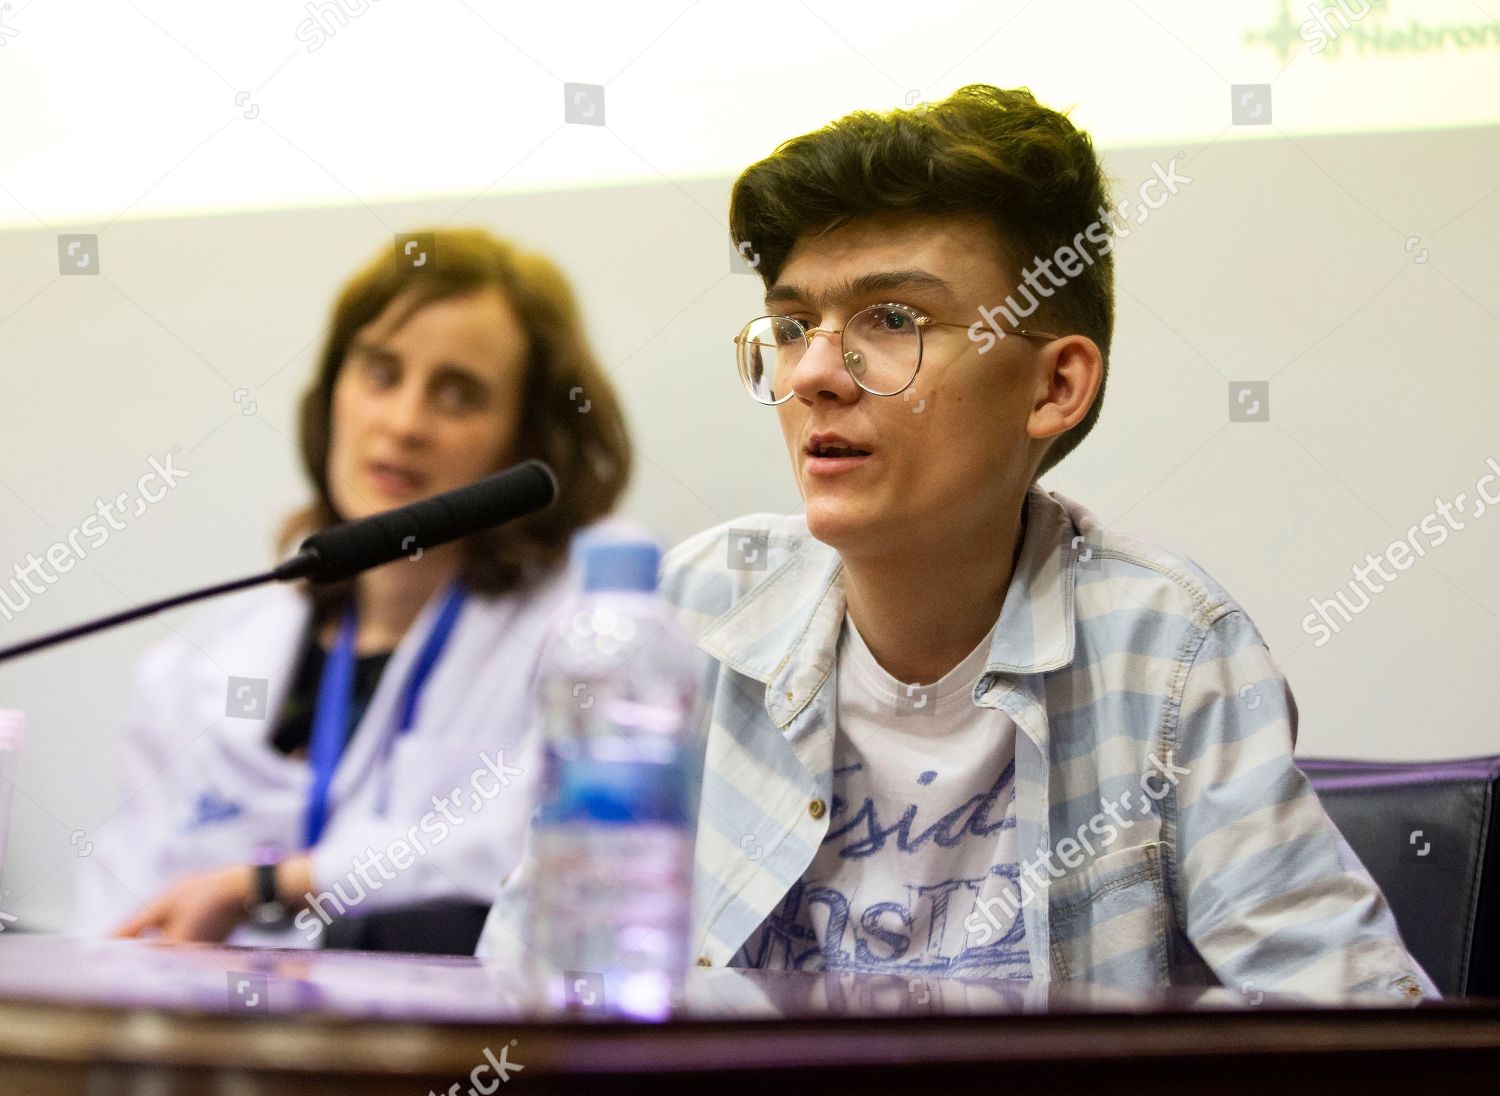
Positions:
(1108, 921)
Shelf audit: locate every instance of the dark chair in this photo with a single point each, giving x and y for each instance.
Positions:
(433, 928)
(1427, 832)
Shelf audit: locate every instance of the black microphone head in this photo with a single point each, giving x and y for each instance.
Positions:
(345, 550)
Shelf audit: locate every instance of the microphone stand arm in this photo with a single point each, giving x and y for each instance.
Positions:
(298, 566)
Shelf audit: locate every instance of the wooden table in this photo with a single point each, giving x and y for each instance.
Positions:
(127, 1018)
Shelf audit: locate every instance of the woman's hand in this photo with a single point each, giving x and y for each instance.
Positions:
(206, 908)
(201, 908)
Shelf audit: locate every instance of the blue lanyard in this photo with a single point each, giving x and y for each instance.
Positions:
(336, 698)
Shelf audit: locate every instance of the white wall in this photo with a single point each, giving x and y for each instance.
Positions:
(1284, 259)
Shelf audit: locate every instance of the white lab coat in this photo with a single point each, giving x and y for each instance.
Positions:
(202, 788)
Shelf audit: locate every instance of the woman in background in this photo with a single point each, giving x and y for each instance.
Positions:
(381, 767)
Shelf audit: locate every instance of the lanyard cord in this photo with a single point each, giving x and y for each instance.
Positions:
(331, 730)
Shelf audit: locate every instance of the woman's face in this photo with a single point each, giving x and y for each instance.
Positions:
(428, 406)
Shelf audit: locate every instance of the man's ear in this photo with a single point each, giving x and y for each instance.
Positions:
(1070, 372)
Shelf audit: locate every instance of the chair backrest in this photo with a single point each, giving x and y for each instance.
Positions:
(1427, 832)
(433, 928)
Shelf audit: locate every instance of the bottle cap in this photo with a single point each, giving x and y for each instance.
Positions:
(12, 728)
(613, 563)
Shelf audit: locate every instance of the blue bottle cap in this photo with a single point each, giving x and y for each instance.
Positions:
(620, 564)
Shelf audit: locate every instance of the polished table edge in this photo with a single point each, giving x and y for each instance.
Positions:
(43, 1031)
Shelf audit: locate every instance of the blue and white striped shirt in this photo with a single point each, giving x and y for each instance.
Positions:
(1166, 835)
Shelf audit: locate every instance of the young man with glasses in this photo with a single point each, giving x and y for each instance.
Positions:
(959, 728)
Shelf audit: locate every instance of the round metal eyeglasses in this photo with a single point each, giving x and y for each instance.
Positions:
(880, 346)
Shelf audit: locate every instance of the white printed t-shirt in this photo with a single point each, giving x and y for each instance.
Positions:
(923, 809)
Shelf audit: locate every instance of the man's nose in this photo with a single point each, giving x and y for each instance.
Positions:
(820, 374)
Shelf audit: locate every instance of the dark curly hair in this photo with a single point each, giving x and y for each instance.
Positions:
(983, 150)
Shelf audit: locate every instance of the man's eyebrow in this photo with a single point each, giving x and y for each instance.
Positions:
(866, 285)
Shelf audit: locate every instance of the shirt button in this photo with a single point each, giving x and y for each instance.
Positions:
(703, 961)
(816, 808)
(789, 695)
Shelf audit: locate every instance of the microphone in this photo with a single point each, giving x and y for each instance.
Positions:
(346, 550)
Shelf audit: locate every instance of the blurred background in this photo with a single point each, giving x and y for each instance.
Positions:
(1303, 365)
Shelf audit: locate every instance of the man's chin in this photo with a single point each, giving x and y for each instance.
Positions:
(838, 525)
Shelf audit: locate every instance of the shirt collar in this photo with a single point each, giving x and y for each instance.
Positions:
(1036, 630)
(784, 631)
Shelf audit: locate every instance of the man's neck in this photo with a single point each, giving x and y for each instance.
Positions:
(921, 612)
(390, 598)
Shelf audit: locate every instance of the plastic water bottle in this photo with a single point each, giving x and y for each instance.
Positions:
(610, 908)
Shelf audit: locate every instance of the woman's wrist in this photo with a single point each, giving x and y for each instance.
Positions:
(271, 891)
(294, 880)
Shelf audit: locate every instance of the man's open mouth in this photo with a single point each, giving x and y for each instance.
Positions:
(832, 445)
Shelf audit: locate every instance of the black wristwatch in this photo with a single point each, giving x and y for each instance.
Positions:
(265, 906)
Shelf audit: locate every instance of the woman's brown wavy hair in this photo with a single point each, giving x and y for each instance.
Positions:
(996, 153)
(571, 417)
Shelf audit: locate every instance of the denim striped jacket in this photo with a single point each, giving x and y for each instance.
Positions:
(1166, 835)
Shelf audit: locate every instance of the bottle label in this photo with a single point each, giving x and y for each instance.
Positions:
(618, 793)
